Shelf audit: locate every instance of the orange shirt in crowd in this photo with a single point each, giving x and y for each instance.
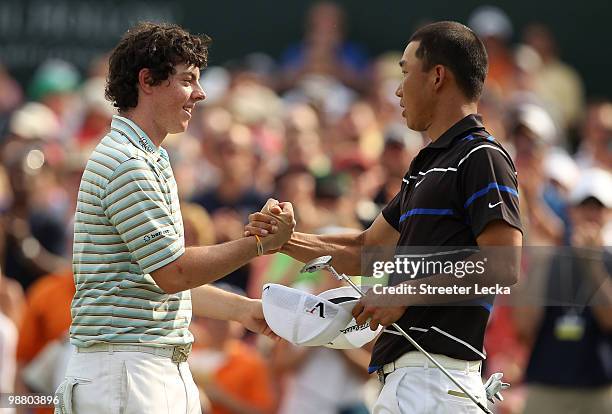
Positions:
(47, 314)
(245, 375)
(46, 317)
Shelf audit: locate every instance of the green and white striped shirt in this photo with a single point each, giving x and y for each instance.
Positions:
(127, 224)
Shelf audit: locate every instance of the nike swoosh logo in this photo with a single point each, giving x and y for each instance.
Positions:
(496, 204)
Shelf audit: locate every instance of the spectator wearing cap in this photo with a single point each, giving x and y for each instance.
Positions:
(53, 85)
(570, 369)
(532, 133)
(401, 146)
(495, 29)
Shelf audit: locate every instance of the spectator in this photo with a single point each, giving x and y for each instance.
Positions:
(11, 298)
(324, 51)
(35, 238)
(43, 334)
(557, 83)
(595, 148)
(495, 29)
(235, 187)
(532, 132)
(570, 369)
(10, 99)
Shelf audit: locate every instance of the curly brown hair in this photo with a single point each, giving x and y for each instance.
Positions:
(157, 47)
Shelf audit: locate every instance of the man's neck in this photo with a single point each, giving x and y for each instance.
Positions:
(146, 122)
(447, 116)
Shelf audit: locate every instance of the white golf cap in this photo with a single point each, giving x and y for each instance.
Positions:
(352, 335)
(301, 318)
(594, 183)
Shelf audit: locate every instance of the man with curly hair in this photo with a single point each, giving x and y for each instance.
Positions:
(133, 274)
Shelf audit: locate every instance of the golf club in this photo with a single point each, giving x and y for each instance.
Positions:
(324, 262)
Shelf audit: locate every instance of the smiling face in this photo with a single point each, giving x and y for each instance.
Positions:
(175, 98)
(415, 90)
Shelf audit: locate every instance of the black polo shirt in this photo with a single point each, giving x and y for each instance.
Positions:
(454, 187)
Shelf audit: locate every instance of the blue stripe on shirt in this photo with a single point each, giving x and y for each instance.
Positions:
(492, 186)
(428, 212)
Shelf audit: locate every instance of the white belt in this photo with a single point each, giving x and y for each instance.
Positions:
(416, 359)
(177, 353)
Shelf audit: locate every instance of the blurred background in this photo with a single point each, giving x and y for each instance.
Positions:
(301, 107)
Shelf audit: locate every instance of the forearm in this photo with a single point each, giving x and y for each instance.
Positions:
(345, 249)
(218, 304)
(205, 264)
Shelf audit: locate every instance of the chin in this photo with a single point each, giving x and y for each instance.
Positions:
(177, 129)
(415, 126)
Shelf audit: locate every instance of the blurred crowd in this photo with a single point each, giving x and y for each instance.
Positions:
(319, 126)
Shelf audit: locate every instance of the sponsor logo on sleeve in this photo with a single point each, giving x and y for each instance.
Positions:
(156, 235)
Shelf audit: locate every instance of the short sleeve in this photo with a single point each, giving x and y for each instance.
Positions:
(391, 212)
(489, 188)
(141, 212)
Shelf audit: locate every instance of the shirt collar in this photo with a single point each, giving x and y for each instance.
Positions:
(136, 135)
(469, 123)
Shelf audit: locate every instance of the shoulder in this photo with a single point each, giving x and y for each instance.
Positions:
(482, 147)
(111, 152)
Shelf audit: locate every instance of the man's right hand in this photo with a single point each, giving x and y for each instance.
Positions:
(274, 223)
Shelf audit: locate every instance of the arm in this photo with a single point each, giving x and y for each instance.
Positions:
(219, 304)
(135, 205)
(346, 249)
(204, 264)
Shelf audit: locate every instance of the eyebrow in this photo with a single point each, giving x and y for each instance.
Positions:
(188, 73)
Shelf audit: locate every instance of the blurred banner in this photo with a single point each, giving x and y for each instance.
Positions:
(34, 30)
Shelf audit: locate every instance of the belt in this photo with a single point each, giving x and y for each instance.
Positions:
(177, 353)
(417, 359)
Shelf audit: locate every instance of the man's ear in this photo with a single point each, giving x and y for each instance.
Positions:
(440, 75)
(145, 81)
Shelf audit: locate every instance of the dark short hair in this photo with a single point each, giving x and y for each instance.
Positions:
(157, 47)
(456, 47)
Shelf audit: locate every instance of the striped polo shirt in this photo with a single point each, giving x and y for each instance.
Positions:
(127, 224)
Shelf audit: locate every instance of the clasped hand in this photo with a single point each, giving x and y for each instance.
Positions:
(274, 224)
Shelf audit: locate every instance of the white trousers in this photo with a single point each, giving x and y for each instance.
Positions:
(419, 390)
(112, 382)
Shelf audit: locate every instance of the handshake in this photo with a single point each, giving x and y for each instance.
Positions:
(274, 224)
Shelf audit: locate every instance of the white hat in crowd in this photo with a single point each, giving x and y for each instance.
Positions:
(596, 183)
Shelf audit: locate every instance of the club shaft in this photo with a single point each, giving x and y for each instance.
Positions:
(440, 367)
(417, 346)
